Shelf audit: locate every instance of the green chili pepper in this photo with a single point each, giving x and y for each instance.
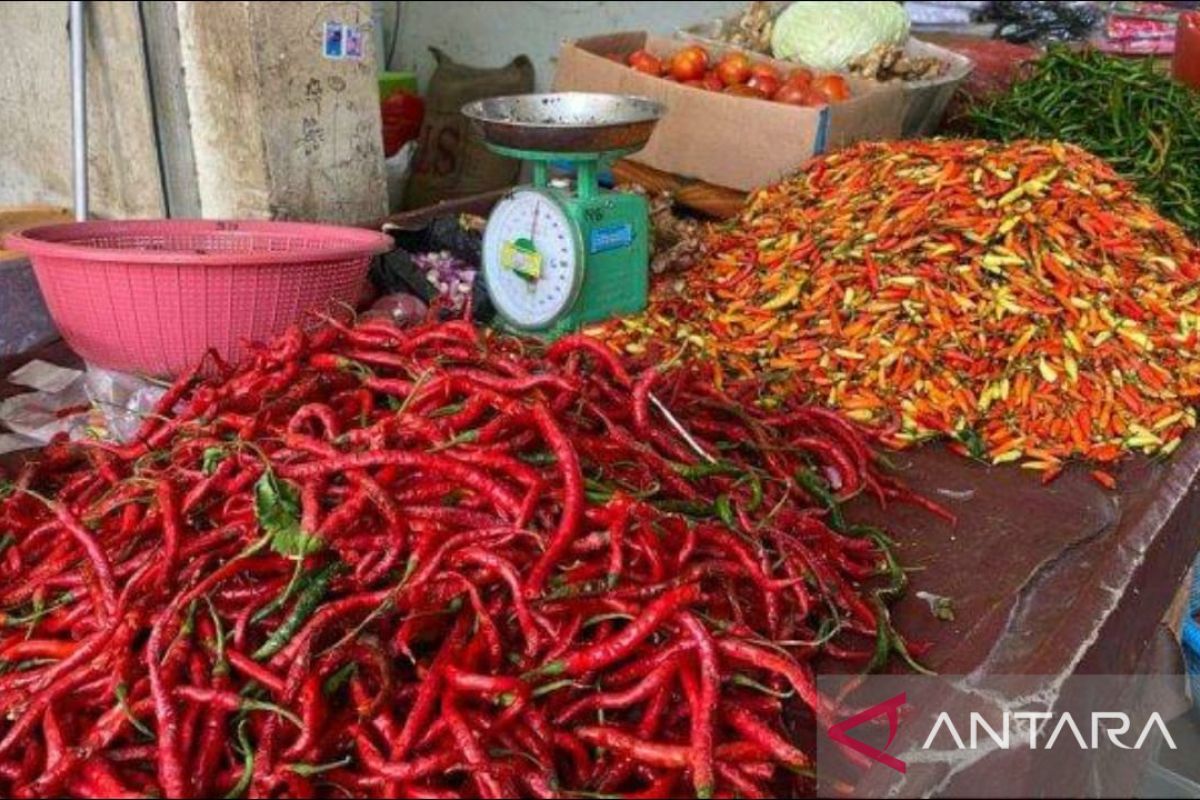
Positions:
(696, 471)
(724, 509)
(306, 603)
(247, 763)
(335, 682)
(299, 581)
(814, 485)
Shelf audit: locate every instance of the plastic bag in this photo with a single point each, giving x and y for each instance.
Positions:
(401, 308)
(398, 168)
(944, 13)
(1030, 21)
(123, 400)
(96, 403)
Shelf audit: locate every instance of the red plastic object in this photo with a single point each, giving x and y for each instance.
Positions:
(403, 114)
(152, 296)
(1187, 49)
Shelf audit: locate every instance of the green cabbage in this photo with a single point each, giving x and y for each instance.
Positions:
(826, 35)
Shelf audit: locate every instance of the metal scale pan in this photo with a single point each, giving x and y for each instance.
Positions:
(566, 122)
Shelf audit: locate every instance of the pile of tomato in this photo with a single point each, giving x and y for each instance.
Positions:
(736, 74)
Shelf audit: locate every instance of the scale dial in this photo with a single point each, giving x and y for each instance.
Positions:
(532, 259)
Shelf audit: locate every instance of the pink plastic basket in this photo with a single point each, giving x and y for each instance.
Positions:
(152, 296)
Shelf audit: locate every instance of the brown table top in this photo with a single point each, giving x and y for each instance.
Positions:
(1043, 579)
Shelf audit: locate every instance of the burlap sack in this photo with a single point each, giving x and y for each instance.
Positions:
(451, 162)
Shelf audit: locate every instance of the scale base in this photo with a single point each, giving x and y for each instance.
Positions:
(615, 231)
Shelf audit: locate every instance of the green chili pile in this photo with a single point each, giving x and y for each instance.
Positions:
(1127, 111)
(377, 562)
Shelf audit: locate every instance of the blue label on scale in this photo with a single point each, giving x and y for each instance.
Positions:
(610, 238)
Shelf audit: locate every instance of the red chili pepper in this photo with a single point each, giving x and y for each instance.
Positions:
(97, 557)
(169, 510)
(749, 655)
(481, 774)
(706, 701)
(508, 573)
(653, 682)
(654, 754)
(428, 463)
(569, 469)
(580, 343)
(760, 734)
(413, 770)
(619, 646)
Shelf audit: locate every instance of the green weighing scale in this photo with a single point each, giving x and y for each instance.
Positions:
(556, 258)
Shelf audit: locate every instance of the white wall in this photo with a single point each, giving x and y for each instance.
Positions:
(491, 33)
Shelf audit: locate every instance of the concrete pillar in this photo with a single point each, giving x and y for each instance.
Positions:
(278, 129)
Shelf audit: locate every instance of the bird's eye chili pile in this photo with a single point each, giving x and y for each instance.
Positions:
(1019, 298)
(423, 563)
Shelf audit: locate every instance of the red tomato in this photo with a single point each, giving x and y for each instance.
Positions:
(765, 70)
(734, 68)
(792, 94)
(799, 77)
(699, 52)
(833, 87)
(689, 64)
(814, 98)
(713, 82)
(696, 84)
(646, 62)
(765, 85)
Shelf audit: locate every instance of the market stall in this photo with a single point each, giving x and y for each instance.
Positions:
(588, 484)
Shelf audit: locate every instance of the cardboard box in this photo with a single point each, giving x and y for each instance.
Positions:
(925, 101)
(738, 142)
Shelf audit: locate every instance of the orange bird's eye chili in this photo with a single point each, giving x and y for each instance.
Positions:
(1019, 299)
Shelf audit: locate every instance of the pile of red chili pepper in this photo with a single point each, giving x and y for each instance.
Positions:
(428, 563)
(1020, 298)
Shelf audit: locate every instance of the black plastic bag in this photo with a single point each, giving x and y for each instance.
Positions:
(1032, 21)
